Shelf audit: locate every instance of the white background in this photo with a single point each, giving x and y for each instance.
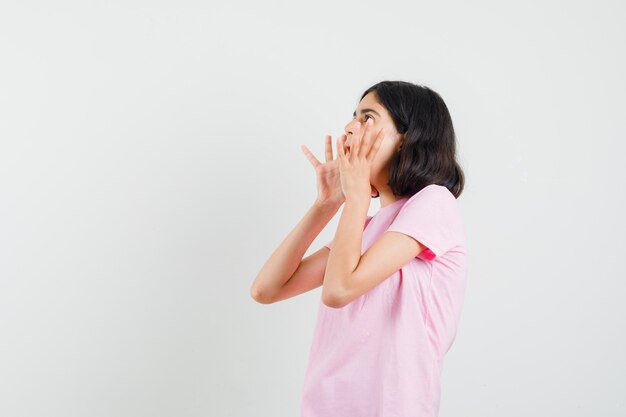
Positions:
(150, 162)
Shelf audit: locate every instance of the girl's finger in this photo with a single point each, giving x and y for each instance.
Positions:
(376, 145)
(343, 144)
(341, 153)
(365, 145)
(328, 148)
(356, 140)
(310, 156)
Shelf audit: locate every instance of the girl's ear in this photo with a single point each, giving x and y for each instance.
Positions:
(400, 142)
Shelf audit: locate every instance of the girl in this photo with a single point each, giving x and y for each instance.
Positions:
(393, 284)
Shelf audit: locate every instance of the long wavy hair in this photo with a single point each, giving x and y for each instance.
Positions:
(428, 152)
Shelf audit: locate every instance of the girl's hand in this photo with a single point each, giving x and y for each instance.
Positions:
(329, 190)
(355, 168)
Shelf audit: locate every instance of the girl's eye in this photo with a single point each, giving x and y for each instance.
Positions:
(366, 116)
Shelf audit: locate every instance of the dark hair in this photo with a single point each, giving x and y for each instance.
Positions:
(428, 153)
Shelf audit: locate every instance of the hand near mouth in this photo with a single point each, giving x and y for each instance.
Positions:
(355, 163)
(327, 174)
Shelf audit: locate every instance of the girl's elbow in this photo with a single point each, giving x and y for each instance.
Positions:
(258, 296)
(331, 298)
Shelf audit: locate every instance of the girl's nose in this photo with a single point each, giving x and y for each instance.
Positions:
(349, 127)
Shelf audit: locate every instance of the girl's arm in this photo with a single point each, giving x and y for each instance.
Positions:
(282, 264)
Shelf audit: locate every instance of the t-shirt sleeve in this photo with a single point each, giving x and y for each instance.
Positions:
(330, 243)
(431, 217)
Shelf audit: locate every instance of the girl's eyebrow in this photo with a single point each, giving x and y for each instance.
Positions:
(365, 111)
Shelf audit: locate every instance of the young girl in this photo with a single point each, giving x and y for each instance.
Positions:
(393, 283)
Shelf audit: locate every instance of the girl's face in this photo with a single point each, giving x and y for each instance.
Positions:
(369, 107)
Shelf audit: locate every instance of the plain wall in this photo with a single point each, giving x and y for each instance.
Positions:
(150, 163)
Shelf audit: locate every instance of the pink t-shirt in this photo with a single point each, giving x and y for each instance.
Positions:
(382, 354)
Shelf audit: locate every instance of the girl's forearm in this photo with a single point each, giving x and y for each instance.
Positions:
(346, 253)
(287, 257)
